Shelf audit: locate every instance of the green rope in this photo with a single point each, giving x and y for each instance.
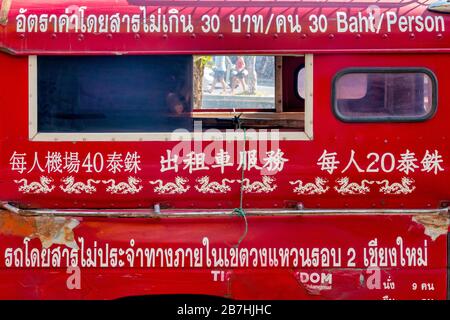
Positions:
(240, 211)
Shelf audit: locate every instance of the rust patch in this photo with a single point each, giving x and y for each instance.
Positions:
(14, 225)
(435, 225)
(4, 10)
(50, 230)
(56, 230)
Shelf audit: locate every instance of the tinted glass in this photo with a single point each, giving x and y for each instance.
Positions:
(114, 93)
(384, 96)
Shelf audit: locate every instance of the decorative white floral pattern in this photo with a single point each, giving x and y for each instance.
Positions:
(347, 187)
(214, 186)
(263, 186)
(132, 186)
(170, 187)
(43, 186)
(318, 187)
(78, 187)
(404, 187)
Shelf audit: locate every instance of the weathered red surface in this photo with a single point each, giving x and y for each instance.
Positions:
(329, 134)
(333, 231)
(408, 280)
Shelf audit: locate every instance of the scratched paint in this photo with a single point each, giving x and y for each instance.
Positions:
(358, 273)
(307, 180)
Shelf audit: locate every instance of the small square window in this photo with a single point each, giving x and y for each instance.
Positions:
(237, 83)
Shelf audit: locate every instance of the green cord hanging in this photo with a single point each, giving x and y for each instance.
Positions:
(240, 211)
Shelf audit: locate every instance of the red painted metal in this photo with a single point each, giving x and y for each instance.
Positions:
(333, 52)
(274, 282)
(329, 134)
(223, 39)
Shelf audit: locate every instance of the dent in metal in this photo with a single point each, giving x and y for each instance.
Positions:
(49, 230)
(435, 225)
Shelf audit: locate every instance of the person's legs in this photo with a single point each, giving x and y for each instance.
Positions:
(222, 81)
(224, 86)
(213, 85)
(244, 85)
(233, 84)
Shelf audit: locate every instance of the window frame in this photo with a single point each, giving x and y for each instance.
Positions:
(236, 135)
(384, 119)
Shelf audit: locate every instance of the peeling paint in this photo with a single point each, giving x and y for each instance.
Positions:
(362, 280)
(49, 230)
(6, 6)
(435, 225)
(312, 290)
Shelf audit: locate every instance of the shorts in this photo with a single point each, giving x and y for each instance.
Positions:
(219, 75)
(241, 74)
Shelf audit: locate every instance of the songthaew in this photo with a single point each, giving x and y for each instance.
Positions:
(253, 150)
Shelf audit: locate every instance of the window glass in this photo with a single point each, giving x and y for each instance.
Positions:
(301, 83)
(352, 86)
(235, 82)
(384, 95)
(114, 93)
